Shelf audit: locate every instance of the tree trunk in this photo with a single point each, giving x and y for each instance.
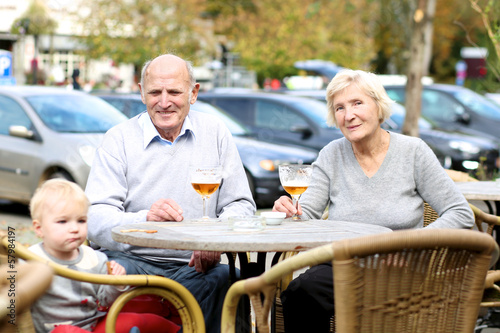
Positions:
(429, 32)
(416, 66)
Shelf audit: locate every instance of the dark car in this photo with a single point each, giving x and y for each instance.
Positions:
(455, 149)
(278, 118)
(260, 159)
(454, 107)
(462, 151)
(46, 133)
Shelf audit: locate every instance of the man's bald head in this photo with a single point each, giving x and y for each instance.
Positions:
(169, 60)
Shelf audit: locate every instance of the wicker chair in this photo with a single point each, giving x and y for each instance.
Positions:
(481, 218)
(172, 291)
(405, 281)
(460, 176)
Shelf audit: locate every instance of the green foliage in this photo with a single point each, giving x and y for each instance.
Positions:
(270, 35)
(138, 30)
(277, 33)
(35, 21)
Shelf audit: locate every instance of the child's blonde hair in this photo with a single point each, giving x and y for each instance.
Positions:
(56, 189)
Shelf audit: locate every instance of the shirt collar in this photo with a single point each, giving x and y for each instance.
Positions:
(150, 132)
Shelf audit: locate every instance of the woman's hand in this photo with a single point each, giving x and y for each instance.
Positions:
(285, 204)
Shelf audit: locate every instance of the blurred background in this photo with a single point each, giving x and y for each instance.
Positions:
(102, 44)
(95, 49)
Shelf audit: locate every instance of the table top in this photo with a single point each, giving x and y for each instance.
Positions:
(217, 236)
(482, 190)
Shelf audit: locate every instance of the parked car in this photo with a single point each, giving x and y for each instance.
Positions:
(260, 159)
(495, 97)
(455, 108)
(461, 151)
(455, 149)
(323, 68)
(278, 118)
(48, 133)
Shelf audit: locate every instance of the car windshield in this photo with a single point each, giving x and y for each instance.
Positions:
(314, 110)
(234, 127)
(75, 113)
(478, 103)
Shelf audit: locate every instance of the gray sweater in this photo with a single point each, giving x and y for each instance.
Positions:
(130, 172)
(70, 302)
(409, 175)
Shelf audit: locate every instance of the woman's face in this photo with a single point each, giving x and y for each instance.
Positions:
(356, 114)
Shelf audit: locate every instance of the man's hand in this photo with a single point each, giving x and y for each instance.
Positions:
(285, 204)
(204, 260)
(165, 210)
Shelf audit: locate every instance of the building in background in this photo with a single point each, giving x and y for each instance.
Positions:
(59, 55)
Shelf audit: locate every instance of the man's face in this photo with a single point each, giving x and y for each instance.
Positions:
(168, 95)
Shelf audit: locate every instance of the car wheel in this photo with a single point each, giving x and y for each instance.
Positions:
(62, 175)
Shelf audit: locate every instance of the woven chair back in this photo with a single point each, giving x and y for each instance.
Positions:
(411, 281)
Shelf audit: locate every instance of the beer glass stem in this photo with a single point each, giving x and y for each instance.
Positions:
(295, 200)
(204, 207)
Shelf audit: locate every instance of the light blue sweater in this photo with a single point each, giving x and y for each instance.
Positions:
(129, 174)
(409, 175)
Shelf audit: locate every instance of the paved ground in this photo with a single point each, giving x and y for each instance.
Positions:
(16, 217)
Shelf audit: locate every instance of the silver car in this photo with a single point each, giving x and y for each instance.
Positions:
(48, 132)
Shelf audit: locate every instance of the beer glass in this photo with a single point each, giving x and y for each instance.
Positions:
(295, 179)
(206, 180)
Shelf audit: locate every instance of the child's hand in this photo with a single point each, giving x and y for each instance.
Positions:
(115, 268)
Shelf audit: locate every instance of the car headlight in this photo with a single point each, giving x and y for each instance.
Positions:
(268, 165)
(465, 147)
(87, 153)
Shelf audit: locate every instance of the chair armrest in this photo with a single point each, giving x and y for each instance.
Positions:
(483, 217)
(265, 285)
(187, 306)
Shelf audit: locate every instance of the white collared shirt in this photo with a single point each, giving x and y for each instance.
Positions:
(151, 133)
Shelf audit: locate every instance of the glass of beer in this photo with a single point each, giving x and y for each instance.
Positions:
(295, 179)
(206, 180)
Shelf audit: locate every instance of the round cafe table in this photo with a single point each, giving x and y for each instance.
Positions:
(218, 236)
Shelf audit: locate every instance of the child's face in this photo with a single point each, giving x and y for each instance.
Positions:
(63, 227)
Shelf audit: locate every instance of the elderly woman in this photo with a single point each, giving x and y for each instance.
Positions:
(369, 176)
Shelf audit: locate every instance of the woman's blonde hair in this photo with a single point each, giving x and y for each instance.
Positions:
(369, 83)
(56, 189)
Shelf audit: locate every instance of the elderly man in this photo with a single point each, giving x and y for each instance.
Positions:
(140, 173)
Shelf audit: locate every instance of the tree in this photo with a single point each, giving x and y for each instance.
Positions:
(489, 11)
(133, 31)
(417, 63)
(35, 21)
(270, 35)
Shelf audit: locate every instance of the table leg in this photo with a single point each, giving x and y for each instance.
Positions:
(275, 260)
(232, 266)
